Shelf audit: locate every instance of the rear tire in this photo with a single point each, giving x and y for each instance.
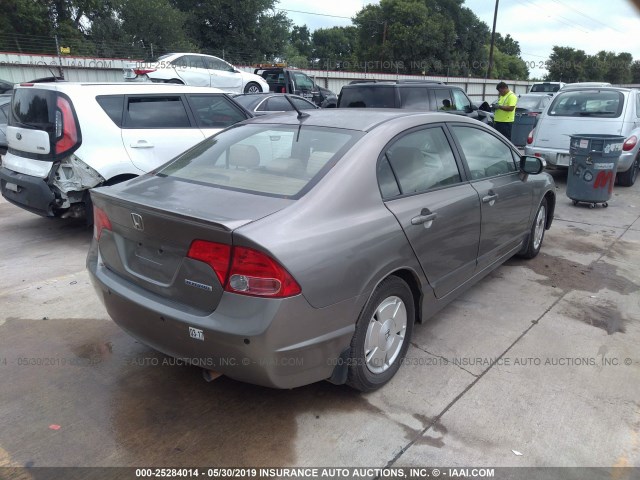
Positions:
(628, 178)
(252, 87)
(536, 234)
(382, 336)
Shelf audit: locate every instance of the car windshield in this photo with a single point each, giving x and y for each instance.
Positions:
(586, 103)
(533, 102)
(276, 160)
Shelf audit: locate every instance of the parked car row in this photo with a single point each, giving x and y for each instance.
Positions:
(320, 235)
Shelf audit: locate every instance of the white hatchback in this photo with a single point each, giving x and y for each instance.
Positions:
(197, 70)
(65, 138)
(590, 110)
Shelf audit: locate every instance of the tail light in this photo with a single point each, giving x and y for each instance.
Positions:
(100, 222)
(629, 143)
(66, 126)
(530, 138)
(533, 114)
(143, 71)
(244, 270)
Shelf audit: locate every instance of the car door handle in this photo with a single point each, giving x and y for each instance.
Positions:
(490, 199)
(142, 144)
(425, 218)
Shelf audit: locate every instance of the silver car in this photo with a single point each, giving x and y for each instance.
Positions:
(590, 110)
(294, 248)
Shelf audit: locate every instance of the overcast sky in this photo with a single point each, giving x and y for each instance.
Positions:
(538, 25)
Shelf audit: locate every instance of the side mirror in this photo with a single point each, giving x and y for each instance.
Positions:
(485, 107)
(532, 165)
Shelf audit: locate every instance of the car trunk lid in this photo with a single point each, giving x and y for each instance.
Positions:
(153, 223)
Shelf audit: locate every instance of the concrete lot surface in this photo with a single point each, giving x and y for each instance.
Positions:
(537, 365)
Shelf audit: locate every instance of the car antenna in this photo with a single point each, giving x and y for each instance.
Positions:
(301, 114)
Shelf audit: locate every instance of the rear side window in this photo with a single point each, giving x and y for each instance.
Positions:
(282, 161)
(113, 105)
(414, 97)
(213, 63)
(34, 108)
(364, 96)
(156, 112)
(587, 103)
(443, 99)
(276, 104)
(420, 161)
(215, 111)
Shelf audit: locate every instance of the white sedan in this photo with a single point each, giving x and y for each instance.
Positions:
(196, 70)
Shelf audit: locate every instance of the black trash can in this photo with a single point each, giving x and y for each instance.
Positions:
(592, 168)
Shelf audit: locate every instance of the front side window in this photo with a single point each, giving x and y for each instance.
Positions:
(3, 113)
(485, 154)
(302, 81)
(587, 103)
(276, 160)
(461, 101)
(420, 161)
(156, 112)
(213, 63)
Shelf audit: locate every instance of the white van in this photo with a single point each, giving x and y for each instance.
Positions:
(65, 138)
(589, 110)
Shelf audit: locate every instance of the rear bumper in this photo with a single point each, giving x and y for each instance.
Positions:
(31, 193)
(560, 158)
(275, 343)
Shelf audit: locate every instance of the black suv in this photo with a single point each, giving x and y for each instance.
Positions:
(416, 95)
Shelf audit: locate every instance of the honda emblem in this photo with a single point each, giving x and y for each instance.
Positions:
(138, 224)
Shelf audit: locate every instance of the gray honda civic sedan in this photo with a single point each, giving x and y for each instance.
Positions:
(290, 248)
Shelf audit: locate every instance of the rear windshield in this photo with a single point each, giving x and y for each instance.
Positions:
(34, 108)
(276, 160)
(533, 102)
(545, 87)
(587, 103)
(364, 96)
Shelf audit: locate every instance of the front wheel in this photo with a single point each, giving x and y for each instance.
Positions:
(252, 87)
(382, 336)
(536, 234)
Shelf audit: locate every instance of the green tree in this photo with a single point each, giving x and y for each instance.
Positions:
(246, 31)
(300, 39)
(405, 36)
(567, 64)
(334, 47)
(508, 67)
(507, 45)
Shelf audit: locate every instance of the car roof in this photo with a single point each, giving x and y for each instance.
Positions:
(578, 88)
(120, 87)
(363, 119)
(400, 83)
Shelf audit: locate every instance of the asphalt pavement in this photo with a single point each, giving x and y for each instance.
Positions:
(537, 365)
